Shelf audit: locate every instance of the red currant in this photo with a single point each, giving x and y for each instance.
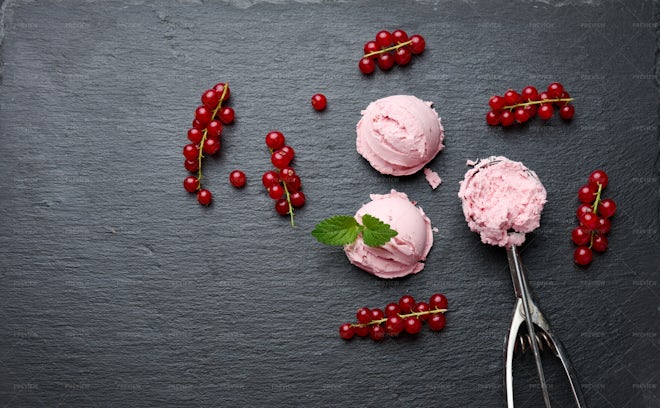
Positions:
(496, 102)
(191, 151)
(607, 208)
(280, 159)
(583, 256)
(289, 151)
(402, 56)
(346, 331)
(566, 112)
(543, 96)
(529, 93)
(361, 331)
(392, 309)
(220, 89)
(406, 303)
(377, 314)
(297, 199)
(237, 178)
(370, 47)
(214, 129)
(545, 111)
(270, 178)
(555, 90)
(210, 98)
(198, 125)
(377, 332)
(275, 140)
(438, 301)
(587, 193)
(195, 135)
(282, 206)
(507, 118)
(191, 184)
(363, 315)
(319, 102)
(276, 192)
(583, 208)
(580, 236)
(413, 325)
(604, 225)
(191, 165)
(211, 146)
(367, 65)
(394, 325)
(422, 307)
(493, 118)
(385, 61)
(589, 221)
(512, 97)
(203, 114)
(599, 177)
(521, 115)
(226, 115)
(531, 110)
(417, 44)
(437, 322)
(600, 243)
(399, 36)
(384, 39)
(204, 197)
(293, 183)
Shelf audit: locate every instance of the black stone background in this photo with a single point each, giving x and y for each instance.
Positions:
(118, 289)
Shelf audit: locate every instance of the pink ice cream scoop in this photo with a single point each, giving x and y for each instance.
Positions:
(399, 134)
(502, 200)
(403, 254)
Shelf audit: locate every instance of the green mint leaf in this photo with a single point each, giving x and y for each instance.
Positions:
(337, 230)
(376, 232)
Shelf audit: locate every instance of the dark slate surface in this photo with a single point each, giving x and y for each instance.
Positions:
(117, 289)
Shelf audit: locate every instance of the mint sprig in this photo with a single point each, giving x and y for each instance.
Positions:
(344, 230)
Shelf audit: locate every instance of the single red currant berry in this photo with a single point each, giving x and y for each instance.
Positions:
(377, 314)
(214, 129)
(226, 115)
(600, 243)
(280, 159)
(275, 140)
(376, 332)
(367, 65)
(394, 325)
(493, 118)
(555, 89)
(392, 309)
(276, 192)
(580, 236)
(270, 178)
(604, 225)
(418, 44)
(545, 111)
(282, 206)
(583, 208)
(543, 96)
(191, 184)
(220, 89)
(607, 208)
(198, 125)
(210, 98)
(370, 47)
(211, 146)
(406, 303)
(399, 36)
(582, 255)
(297, 199)
(289, 151)
(531, 110)
(599, 177)
(567, 112)
(203, 114)
(346, 331)
(507, 118)
(204, 197)
(402, 56)
(191, 165)
(512, 97)
(589, 221)
(293, 183)
(287, 172)
(587, 193)
(190, 151)
(413, 325)
(496, 102)
(237, 178)
(384, 39)
(521, 115)
(363, 315)
(385, 61)
(438, 301)
(361, 331)
(195, 135)
(437, 322)
(422, 307)
(319, 102)
(529, 93)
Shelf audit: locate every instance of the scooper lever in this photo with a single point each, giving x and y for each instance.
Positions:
(527, 311)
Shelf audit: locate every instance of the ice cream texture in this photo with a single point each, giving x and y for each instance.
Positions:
(399, 134)
(402, 255)
(502, 200)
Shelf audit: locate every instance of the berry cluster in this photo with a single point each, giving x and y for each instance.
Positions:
(521, 107)
(594, 216)
(284, 184)
(389, 49)
(406, 315)
(204, 136)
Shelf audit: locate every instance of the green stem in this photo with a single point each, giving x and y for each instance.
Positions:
(594, 208)
(518, 105)
(388, 49)
(403, 316)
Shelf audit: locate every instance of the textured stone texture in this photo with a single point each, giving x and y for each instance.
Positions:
(118, 289)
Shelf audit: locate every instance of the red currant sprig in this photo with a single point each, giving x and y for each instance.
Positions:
(204, 136)
(594, 216)
(389, 49)
(406, 315)
(521, 107)
(283, 185)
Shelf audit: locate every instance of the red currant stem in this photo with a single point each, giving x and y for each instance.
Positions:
(288, 200)
(518, 105)
(200, 156)
(594, 208)
(403, 316)
(388, 49)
